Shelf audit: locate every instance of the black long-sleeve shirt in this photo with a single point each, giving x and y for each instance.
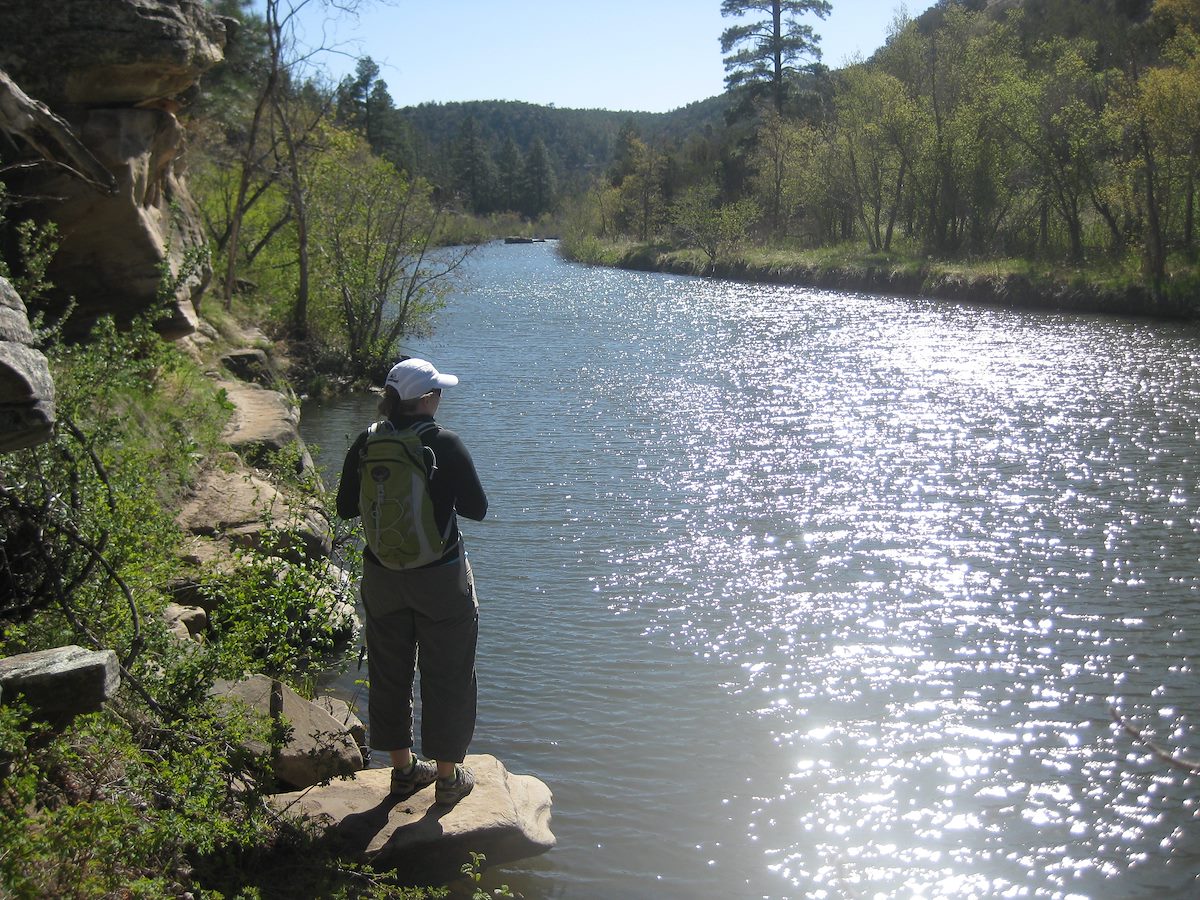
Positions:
(454, 486)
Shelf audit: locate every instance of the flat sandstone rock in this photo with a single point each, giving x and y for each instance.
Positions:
(506, 817)
(63, 682)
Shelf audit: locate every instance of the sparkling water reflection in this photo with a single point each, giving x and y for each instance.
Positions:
(790, 593)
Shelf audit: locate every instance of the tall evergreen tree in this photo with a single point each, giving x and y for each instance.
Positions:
(509, 172)
(474, 173)
(354, 95)
(762, 54)
(365, 105)
(539, 181)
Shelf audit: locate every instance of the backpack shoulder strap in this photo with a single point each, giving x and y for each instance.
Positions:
(421, 429)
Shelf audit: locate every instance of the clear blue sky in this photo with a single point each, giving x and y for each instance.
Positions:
(641, 55)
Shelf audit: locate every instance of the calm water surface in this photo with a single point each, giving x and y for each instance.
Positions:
(790, 593)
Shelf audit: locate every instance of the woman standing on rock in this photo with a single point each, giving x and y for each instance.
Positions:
(418, 612)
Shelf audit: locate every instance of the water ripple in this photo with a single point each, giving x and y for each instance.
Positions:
(896, 558)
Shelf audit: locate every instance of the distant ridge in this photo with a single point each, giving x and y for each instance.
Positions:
(578, 139)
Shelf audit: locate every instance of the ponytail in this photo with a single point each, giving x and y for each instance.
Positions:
(392, 407)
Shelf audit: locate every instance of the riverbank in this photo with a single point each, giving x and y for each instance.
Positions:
(156, 707)
(1009, 283)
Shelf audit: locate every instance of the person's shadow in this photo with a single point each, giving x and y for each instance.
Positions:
(415, 831)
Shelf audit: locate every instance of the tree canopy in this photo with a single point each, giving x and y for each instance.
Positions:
(1058, 131)
(1048, 133)
(762, 54)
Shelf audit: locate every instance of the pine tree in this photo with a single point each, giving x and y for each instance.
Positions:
(474, 171)
(539, 181)
(767, 50)
(510, 167)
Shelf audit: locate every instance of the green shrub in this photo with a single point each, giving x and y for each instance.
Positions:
(88, 536)
(282, 619)
(162, 792)
(122, 802)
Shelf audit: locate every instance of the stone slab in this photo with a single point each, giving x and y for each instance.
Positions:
(62, 682)
(506, 817)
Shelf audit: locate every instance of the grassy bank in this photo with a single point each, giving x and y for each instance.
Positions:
(465, 228)
(1110, 288)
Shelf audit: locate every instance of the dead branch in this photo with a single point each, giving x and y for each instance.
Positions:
(1183, 763)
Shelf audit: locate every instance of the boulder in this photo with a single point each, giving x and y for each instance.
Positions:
(186, 622)
(26, 397)
(342, 711)
(63, 682)
(202, 556)
(26, 388)
(320, 748)
(251, 512)
(14, 317)
(506, 817)
(253, 365)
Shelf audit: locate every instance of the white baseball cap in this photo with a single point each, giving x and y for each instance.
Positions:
(412, 378)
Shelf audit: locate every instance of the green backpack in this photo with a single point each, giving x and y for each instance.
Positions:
(394, 500)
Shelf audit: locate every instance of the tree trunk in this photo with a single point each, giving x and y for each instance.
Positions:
(239, 203)
(239, 206)
(1043, 226)
(777, 34)
(1155, 244)
(1110, 219)
(860, 201)
(300, 212)
(1189, 213)
(895, 210)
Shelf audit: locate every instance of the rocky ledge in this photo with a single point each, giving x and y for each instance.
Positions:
(506, 817)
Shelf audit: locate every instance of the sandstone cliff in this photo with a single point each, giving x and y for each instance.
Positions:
(118, 73)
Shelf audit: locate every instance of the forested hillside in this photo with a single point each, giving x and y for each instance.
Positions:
(578, 139)
(1053, 137)
(498, 156)
(1036, 133)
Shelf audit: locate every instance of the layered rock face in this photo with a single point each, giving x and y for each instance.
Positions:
(117, 71)
(26, 389)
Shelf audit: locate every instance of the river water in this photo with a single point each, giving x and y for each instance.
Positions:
(793, 593)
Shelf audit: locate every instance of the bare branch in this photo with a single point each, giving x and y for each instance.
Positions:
(1183, 763)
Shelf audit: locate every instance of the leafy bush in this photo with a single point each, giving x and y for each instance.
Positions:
(278, 618)
(87, 536)
(122, 802)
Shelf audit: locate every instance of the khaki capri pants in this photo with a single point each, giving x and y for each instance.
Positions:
(426, 618)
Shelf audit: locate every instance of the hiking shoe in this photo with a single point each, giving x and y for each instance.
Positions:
(423, 772)
(450, 790)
